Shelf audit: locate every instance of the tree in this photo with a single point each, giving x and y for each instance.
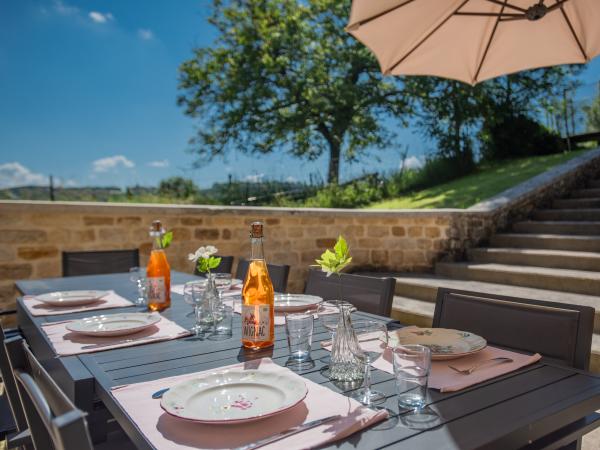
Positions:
(177, 187)
(592, 113)
(283, 75)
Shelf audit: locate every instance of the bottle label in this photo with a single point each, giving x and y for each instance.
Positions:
(256, 322)
(157, 292)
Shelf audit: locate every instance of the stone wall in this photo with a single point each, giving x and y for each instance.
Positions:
(33, 234)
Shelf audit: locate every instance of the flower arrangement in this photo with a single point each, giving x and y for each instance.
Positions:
(204, 259)
(335, 261)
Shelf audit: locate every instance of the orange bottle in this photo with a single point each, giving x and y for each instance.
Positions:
(258, 297)
(158, 272)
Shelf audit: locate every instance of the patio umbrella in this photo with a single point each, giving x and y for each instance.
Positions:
(474, 40)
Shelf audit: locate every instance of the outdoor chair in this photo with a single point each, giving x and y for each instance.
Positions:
(560, 332)
(99, 262)
(225, 266)
(278, 272)
(369, 294)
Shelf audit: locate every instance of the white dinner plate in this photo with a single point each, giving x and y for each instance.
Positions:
(296, 302)
(71, 298)
(444, 343)
(114, 324)
(234, 396)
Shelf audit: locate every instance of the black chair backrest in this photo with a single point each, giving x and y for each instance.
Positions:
(557, 331)
(99, 262)
(369, 294)
(10, 386)
(277, 272)
(54, 421)
(225, 266)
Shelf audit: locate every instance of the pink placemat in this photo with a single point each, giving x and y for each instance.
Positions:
(447, 380)
(279, 317)
(167, 432)
(67, 343)
(38, 308)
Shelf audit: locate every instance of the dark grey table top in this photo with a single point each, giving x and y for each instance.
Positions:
(507, 412)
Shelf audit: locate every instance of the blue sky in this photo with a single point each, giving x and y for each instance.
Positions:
(88, 91)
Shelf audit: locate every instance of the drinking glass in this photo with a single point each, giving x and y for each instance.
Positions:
(223, 284)
(412, 364)
(372, 340)
(137, 275)
(299, 331)
(329, 313)
(223, 324)
(188, 294)
(203, 310)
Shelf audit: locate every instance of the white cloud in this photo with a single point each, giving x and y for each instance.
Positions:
(412, 162)
(63, 9)
(145, 34)
(163, 163)
(99, 17)
(112, 162)
(15, 174)
(256, 178)
(291, 179)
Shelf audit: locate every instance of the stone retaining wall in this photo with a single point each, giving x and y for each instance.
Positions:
(33, 234)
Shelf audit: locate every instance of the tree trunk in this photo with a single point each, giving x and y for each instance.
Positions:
(333, 173)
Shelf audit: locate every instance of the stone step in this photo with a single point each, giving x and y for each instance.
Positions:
(546, 241)
(586, 193)
(576, 281)
(574, 203)
(577, 214)
(594, 184)
(560, 259)
(423, 288)
(557, 227)
(411, 311)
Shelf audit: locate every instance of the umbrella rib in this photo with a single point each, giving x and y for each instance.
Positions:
(564, 14)
(487, 47)
(358, 24)
(410, 52)
(508, 5)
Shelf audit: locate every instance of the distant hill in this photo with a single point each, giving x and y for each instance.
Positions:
(98, 194)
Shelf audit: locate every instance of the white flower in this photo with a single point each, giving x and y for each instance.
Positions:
(203, 252)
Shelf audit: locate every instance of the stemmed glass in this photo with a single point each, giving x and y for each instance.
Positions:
(373, 340)
(329, 313)
(137, 276)
(188, 294)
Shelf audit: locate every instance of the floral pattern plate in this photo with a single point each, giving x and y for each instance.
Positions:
(444, 343)
(114, 324)
(234, 396)
(287, 303)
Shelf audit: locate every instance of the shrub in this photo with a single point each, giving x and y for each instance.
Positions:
(517, 136)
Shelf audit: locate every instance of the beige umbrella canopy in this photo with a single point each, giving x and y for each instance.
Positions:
(474, 40)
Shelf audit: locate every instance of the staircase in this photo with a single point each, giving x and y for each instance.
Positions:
(553, 256)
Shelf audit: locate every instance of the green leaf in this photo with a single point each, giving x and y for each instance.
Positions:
(213, 262)
(334, 262)
(166, 239)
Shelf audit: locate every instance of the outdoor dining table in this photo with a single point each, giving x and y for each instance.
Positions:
(507, 412)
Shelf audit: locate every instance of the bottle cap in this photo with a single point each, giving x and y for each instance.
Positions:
(156, 227)
(256, 230)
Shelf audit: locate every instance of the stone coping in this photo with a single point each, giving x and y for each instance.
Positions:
(535, 184)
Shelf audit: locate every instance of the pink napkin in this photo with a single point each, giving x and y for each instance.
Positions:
(167, 432)
(38, 308)
(446, 379)
(67, 343)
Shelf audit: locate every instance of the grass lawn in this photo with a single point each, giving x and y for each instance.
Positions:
(487, 181)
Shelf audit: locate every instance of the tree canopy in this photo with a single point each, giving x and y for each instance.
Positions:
(283, 75)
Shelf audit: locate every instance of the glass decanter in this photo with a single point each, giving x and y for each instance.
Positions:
(346, 356)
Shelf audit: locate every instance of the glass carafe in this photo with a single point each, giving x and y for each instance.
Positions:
(346, 356)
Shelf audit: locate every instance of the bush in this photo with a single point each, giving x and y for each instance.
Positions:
(517, 136)
(351, 195)
(177, 187)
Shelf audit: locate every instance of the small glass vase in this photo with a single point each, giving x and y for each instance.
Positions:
(346, 356)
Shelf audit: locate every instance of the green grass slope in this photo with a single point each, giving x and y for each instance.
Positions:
(488, 180)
